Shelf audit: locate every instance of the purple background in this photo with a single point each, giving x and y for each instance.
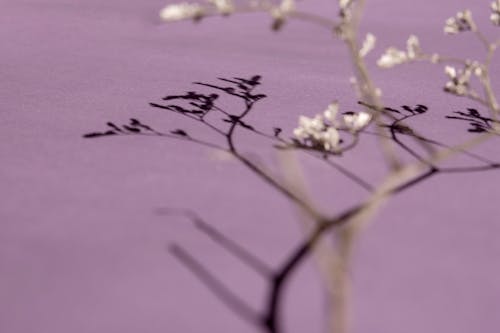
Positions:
(81, 247)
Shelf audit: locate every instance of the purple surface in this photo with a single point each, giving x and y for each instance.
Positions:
(81, 247)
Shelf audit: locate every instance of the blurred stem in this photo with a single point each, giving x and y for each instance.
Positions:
(366, 86)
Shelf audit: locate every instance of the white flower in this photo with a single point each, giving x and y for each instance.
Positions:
(478, 70)
(461, 22)
(459, 80)
(224, 7)
(344, 13)
(495, 15)
(330, 138)
(495, 5)
(300, 133)
(392, 57)
(181, 11)
(331, 112)
(287, 6)
(450, 71)
(314, 131)
(356, 121)
(368, 45)
(344, 4)
(312, 126)
(412, 47)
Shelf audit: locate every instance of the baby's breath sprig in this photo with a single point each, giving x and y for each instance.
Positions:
(495, 12)
(461, 22)
(459, 78)
(393, 56)
(280, 11)
(322, 132)
(182, 11)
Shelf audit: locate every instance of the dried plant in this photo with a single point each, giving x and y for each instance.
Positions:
(327, 136)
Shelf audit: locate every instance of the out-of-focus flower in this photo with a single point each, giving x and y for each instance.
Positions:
(345, 12)
(315, 132)
(392, 57)
(287, 6)
(322, 131)
(478, 70)
(368, 45)
(224, 7)
(495, 15)
(344, 3)
(331, 112)
(182, 11)
(458, 83)
(412, 47)
(461, 22)
(309, 127)
(330, 139)
(459, 80)
(280, 13)
(356, 121)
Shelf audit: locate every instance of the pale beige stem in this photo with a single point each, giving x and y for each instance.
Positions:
(332, 260)
(367, 88)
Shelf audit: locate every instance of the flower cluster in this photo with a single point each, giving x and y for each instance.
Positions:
(345, 16)
(322, 131)
(317, 133)
(458, 83)
(355, 121)
(461, 22)
(182, 11)
(495, 15)
(393, 56)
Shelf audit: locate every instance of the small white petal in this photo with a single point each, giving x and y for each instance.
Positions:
(392, 57)
(181, 11)
(356, 121)
(300, 133)
(304, 121)
(412, 46)
(368, 45)
(224, 7)
(330, 138)
(344, 3)
(287, 6)
(478, 71)
(331, 112)
(363, 119)
(450, 71)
